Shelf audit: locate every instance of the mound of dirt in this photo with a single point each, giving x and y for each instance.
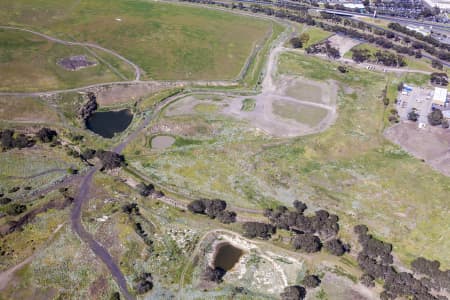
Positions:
(77, 62)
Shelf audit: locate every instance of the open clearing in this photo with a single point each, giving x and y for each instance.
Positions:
(347, 168)
(343, 43)
(431, 144)
(309, 107)
(30, 63)
(166, 41)
(18, 109)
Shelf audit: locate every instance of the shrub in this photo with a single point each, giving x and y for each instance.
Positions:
(307, 242)
(293, 292)
(311, 281)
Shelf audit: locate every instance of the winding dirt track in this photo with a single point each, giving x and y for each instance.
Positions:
(269, 89)
(137, 71)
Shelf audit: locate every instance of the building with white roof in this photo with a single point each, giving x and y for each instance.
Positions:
(439, 96)
(442, 4)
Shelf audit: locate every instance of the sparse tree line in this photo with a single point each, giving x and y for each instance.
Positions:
(413, 48)
(427, 39)
(10, 139)
(385, 58)
(376, 260)
(324, 48)
(309, 231)
(439, 79)
(132, 210)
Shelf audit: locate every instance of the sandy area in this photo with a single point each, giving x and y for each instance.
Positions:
(431, 144)
(343, 43)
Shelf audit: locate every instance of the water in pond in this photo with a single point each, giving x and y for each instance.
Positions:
(227, 256)
(162, 141)
(107, 123)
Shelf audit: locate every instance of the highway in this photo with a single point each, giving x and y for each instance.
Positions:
(281, 3)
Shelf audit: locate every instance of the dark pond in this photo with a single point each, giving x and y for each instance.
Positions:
(226, 256)
(106, 123)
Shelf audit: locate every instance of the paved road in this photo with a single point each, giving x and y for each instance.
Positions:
(137, 71)
(97, 248)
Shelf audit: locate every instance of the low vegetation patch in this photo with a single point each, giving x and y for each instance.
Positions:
(248, 104)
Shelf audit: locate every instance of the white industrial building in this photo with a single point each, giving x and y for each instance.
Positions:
(442, 4)
(440, 96)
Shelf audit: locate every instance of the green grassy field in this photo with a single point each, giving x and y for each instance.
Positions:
(167, 41)
(316, 35)
(349, 169)
(29, 63)
(248, 104)
(18, 109)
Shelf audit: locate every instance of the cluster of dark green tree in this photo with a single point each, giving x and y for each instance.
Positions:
(385, 58)
(324, 48)
(132, 210)
(299, 41)
(439, 79)
(215, 209)
(308, 230)
(376, 260)
(143, 283)
(436, 117)
(89, 107)
(297, 292)
(213, 274)
(110, 159)
(9, 139)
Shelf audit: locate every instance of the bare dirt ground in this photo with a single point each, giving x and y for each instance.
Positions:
(117, 94)
(432, 144)
(343, 43)
(280, 89)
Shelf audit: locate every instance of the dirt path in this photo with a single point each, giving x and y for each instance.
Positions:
(137, 70)
(55, 170)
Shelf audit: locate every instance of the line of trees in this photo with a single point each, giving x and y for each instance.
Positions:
(325, 48)
(213, 209)
(376, 260)
(417, 35)
(9, 139)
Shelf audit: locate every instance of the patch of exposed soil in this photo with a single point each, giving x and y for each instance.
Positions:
(343, 43)
(75, 63)
(432, 144)
(127, 92)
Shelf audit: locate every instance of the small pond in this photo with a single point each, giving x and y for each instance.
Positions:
(107, 123)
(162, 141)
(226, 256)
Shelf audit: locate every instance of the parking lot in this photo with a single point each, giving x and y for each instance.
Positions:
(418, 98)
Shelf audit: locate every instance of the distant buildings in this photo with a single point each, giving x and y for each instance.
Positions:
(442, 4)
